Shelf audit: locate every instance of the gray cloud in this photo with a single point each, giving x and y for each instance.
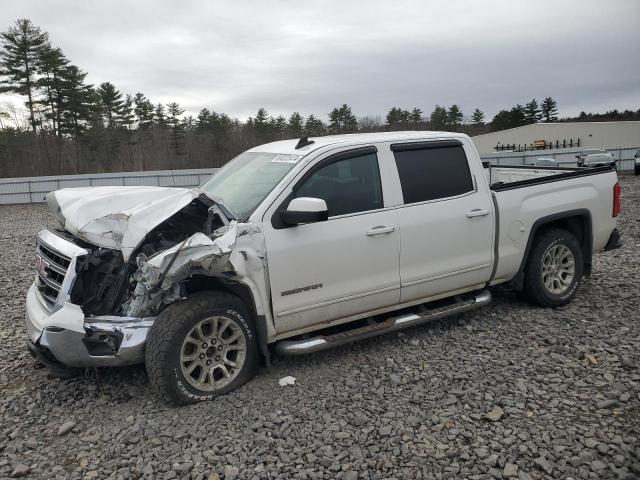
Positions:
(310, 56)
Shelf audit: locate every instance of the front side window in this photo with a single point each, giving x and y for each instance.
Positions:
(431, 173)
(348, 186)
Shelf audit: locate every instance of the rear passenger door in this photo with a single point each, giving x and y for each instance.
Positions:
(446, 222)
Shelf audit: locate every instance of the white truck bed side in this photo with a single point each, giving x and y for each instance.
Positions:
(520, 207)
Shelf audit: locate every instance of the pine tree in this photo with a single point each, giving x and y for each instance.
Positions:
(334, 122)
(314, 127)
(203, 121)
(126, 115)
(143, 110)
(454, 117)
(549, 109)
(177, 128)
(159, 116)
(416, 116)
(21, 47)
(501, 121)
(439, 118)
(262, 117)
(392, 117)
(189, 123)
(52, 65)
(110, 102)
(296, 125)
(518, 116)
(397, 118)
(263, 130)
(505, 119)
(79, 102)
(532, 112)
(174, 111)
(342, 120)
(280, 127)
(477, 118)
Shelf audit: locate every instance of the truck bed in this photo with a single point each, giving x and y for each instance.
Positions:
(515, 176)
(524, 195)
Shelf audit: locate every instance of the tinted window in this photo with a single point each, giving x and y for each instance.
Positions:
(348, 186)
(432, 173)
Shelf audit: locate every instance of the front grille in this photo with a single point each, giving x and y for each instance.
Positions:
(51, 269)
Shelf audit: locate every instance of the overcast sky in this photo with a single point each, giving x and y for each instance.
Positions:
(310, 56)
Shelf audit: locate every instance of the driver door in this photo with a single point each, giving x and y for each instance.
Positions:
(349, 264)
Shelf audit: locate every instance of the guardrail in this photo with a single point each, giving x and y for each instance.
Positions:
(34, 189)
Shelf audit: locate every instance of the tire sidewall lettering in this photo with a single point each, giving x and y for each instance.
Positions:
(180, 384)
(241, 320)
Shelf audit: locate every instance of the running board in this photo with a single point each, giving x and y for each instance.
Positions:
(392, 324)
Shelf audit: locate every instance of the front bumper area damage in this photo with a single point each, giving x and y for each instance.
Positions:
(67, 339)
(89, 308)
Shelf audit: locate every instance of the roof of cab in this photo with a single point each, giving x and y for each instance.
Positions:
(289, 146)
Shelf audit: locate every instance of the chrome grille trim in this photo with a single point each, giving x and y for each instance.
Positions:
(55, 268)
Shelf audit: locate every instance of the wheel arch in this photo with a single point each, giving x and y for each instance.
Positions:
(578, 222)
(202, 282)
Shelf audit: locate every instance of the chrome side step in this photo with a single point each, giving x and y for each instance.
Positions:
(392, 324)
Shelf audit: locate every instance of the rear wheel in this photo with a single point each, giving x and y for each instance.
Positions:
(554, 269)
(201, 348)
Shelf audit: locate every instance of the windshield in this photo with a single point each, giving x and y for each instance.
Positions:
(244, 182)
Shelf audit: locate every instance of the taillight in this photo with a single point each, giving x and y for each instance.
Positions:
(616, 200)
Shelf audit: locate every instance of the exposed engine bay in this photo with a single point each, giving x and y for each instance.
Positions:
(106, 284)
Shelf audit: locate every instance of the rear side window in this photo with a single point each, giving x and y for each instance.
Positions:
(348, 186)
(431, 173)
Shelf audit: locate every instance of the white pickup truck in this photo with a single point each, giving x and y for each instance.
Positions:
(297, 246)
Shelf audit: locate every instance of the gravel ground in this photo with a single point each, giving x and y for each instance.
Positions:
(509, 391)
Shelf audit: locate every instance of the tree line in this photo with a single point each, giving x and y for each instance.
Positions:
(74, 127)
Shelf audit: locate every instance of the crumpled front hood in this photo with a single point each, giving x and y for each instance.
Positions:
(117, 217)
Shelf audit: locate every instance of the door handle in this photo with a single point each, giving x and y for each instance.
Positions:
(379, 230)
(477, 213)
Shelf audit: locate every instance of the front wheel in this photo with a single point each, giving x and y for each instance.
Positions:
(201, 348)
(554, 269)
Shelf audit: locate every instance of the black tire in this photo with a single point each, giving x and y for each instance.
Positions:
(165, 344)
(535, 289)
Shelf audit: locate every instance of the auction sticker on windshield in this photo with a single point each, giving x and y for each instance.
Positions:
(286, 158)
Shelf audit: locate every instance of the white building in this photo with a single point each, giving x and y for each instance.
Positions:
(562, 135)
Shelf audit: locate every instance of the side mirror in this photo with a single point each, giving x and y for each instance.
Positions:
(305, 210)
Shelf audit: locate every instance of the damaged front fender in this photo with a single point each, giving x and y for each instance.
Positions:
(158, 278)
